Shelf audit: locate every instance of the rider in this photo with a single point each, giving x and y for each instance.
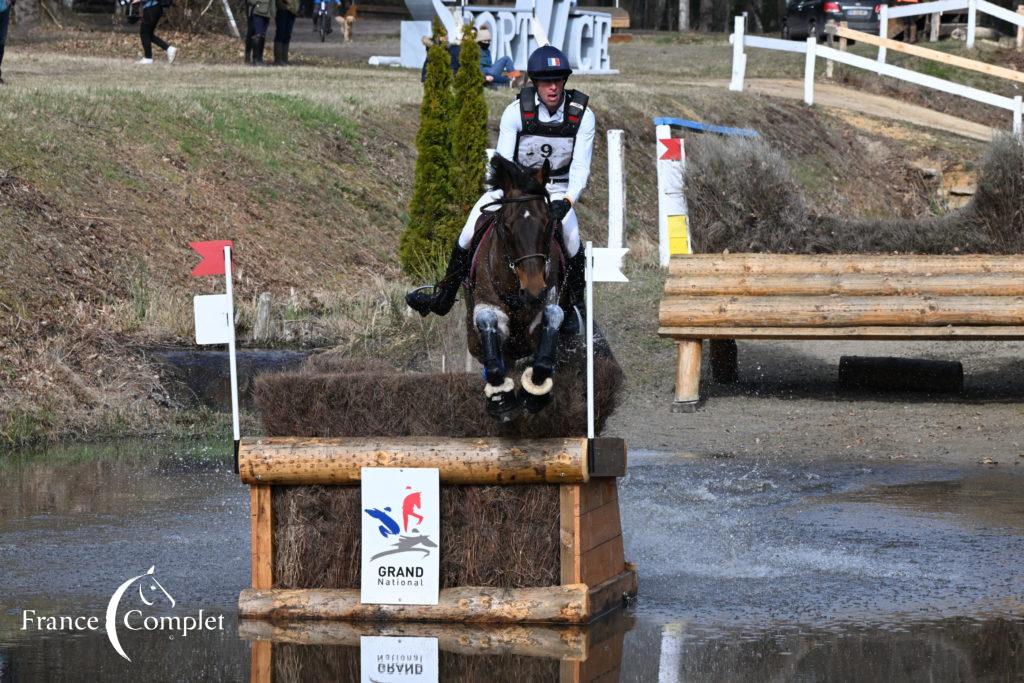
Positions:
(547, 122)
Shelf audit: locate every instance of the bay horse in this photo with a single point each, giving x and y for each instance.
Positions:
(512, 298)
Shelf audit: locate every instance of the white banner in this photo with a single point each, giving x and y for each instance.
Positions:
(401, 536)
(385, 658)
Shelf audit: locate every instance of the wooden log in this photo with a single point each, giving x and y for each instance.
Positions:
(901, 374)
(815, 311)
(886, 264)
(471, 604)
(301, 461)
(567, 643)
(848, 284)
(893, 333)
(261, 512)
(933, 55)
(687, 375)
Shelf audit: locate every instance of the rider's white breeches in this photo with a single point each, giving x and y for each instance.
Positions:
(570, 225)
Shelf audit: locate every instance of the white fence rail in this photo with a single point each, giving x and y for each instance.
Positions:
(971, 7)
(812, 51)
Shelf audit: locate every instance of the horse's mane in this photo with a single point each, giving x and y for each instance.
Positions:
(505, 173)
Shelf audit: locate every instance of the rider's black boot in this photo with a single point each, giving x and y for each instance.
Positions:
(443, 297)
(574, 304)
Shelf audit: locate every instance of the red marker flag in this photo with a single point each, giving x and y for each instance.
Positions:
(213, 257)
(673, 149)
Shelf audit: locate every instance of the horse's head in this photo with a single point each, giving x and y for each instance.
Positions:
(524, 225)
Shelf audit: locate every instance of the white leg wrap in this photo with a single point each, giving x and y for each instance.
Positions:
(490, 390)
(537, 390)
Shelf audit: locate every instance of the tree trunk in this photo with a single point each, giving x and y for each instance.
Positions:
(707, 14)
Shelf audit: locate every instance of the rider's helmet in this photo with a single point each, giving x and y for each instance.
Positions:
(548, 63)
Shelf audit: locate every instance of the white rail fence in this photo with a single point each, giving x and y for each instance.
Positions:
(812, 51)
(972, 7)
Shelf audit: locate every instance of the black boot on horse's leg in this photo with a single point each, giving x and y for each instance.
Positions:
(537, 380)
(502, 402)
(574, 303)
(443, 297)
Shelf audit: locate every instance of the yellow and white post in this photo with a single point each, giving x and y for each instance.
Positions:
(673, 221)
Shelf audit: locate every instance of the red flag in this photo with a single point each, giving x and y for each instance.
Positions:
(213, 257)
(673, 149)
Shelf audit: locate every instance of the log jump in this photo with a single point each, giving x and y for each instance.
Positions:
(594, 577)
(885, 297)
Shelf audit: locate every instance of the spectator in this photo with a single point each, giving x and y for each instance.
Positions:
(346, 17)
(152, 12)
(260, 12)
(5, 21)
(284, 22)
(495, 73)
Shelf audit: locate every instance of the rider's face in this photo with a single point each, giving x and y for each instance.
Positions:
(550, 92)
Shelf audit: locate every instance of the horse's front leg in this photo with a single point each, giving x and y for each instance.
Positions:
(538, 379)
(492, 326)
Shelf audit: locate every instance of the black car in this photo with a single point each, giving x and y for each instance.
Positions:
(805, 18)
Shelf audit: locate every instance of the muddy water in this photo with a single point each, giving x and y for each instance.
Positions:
(748, 571)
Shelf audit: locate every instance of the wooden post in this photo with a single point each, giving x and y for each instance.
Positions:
(812, 47)
(739, 59)
(262, 536)
(1020, 29)
(972, 22)
(842, 39)
(933, 27)
(830, 31)
(262, 667)
(261, 328)
(883, 29)
(724, 356)
(687, 376)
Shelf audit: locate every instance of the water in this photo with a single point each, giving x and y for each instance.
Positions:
(748, 571)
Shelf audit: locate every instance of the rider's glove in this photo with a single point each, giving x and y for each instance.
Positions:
(560, 208)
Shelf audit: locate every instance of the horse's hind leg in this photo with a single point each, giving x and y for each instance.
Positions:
(492, 326)
(537, 380)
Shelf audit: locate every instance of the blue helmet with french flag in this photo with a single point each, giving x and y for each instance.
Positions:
(548, 63)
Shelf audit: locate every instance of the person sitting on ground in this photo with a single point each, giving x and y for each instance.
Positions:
(546, 123)
(259, 13)
(152, 12)
(495, 73)
(5, 22)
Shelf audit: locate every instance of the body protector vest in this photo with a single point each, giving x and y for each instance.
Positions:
(553, 141)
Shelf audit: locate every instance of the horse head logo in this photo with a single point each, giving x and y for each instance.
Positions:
(150, 590)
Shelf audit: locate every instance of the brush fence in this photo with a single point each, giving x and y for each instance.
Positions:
(769, 296)
(595, 578)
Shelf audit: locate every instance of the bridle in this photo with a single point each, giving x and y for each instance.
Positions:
(504, 201)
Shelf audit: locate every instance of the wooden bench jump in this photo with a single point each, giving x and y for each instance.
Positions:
(766, 296)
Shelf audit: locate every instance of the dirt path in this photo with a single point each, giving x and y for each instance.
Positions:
(838, 97)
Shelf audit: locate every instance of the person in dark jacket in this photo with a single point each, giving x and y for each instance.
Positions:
(5, 21)
(152, 12)
(260, 13)
(284, 22)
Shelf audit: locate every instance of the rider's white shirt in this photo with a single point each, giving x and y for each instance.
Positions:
(579, 169)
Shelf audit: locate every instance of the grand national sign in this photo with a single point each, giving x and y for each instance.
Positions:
(401, 536)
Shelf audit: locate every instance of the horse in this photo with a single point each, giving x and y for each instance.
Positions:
(512, 297)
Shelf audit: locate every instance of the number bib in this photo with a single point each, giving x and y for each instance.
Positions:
(533, 150)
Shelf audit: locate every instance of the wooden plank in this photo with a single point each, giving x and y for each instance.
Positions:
(611, 594)
(303, 461)
(471, 604)
(261, 514)
(607, 457)
(599, 526)
(893, 333)
(849, 284)
(886, 264)
(597, 492)
(569, 643)
(824, 311)
(599, 564)
(933, 55)
(570, 496)
(262, 662)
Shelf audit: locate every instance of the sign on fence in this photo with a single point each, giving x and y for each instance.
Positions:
(401, 536)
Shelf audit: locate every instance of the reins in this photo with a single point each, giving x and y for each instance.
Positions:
(501, 203)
